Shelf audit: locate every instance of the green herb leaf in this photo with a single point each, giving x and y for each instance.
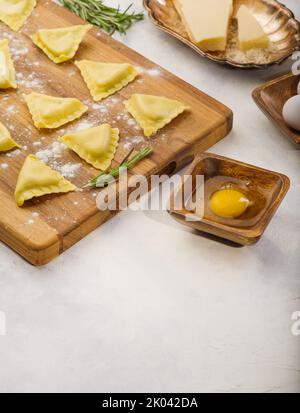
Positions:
(109, 19)
(107, 177)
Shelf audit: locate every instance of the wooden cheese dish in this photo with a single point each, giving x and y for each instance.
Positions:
(265, 189)
(46, 227)
(271, 97)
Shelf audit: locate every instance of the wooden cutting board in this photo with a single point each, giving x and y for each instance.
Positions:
(46, 227)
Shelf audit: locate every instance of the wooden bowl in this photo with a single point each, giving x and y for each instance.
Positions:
(271, 97)
(265, 189)
(277, 21)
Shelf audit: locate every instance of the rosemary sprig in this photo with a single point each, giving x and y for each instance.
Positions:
(107, 177)
(110, 19)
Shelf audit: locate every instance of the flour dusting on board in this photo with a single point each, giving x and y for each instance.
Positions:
(154, 72)
(13, 153)
(51, 153)
(83, 125)
(31, 82)
(53, 156)
(10, 109)
(68, 170)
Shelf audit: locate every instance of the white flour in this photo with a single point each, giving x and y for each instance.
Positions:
(68, 170)
(52, 153)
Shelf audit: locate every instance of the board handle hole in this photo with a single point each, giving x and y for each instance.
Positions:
(169, 169)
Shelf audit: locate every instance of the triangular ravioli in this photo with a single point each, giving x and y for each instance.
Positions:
(97, 145)
(6, 141)
(37, 179)
(7, 70)
(104, 79)
(60, 45)
(14, 13)
(51, 112)
(153, 112)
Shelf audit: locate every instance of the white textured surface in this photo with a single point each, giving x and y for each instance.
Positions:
(143, 304)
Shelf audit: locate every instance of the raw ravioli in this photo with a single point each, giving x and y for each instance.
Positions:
(153, 112)
(60, 45)
(105, 79)
(6, 141)
(14, 13)
(52, 112)
(97, 145)
(37, 179)
(7, 70)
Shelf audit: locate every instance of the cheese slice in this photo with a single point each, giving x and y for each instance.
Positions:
(206, 21)
(251, 34)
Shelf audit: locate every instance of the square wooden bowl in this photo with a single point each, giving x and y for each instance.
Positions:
(265, 189)
(271, 97)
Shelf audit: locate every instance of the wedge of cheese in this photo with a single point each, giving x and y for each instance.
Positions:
(206, 21)
(251, 34)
